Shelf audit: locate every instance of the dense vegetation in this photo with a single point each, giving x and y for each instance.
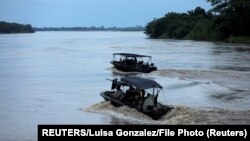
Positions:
(228, 20)
(15, 28)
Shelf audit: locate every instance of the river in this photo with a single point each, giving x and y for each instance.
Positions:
(57, 77)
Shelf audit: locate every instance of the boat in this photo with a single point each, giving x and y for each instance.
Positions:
(131, 91)
(129, 62)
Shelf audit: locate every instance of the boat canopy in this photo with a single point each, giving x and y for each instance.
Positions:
(130, 55)
(141, 83)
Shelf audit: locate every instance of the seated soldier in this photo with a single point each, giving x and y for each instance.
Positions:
(119, 93)
(155, 99)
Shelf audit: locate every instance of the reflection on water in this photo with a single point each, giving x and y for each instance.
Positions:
(46, 77)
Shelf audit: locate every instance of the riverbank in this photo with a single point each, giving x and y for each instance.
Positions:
(7, 28)
(217, 24)
(232, 39)
(239, 39)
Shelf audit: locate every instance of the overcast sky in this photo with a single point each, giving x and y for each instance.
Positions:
(68, 13)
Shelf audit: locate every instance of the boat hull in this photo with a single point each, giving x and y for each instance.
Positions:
(133, 68)
(155, 113)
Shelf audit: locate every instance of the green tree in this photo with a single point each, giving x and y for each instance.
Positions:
(233, 16)
(180, 25)
(155, 28)
(15, 28)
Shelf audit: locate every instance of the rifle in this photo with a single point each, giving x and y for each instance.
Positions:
(116, 83)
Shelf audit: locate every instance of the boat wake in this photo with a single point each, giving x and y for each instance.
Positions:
(207, 95)
(124, 113)
(179, 115)
(231, 79)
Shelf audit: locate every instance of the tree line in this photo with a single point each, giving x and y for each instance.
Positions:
(228, 20)
(91, 28)
(6, 27)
